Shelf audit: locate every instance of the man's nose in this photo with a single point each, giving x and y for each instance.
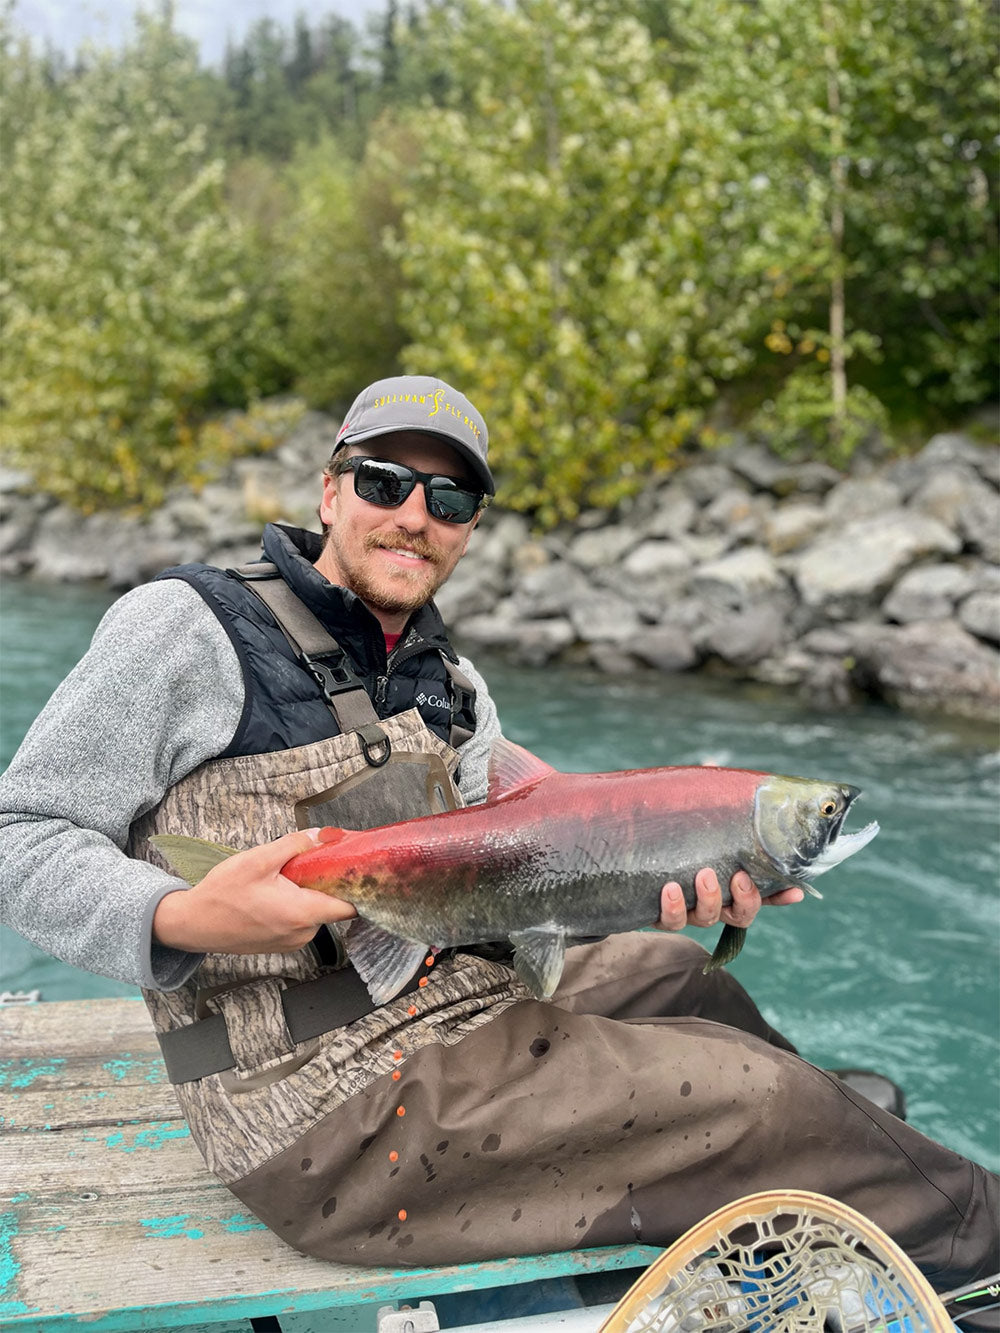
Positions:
(412, 513)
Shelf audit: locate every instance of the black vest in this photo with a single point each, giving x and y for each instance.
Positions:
(284, 707)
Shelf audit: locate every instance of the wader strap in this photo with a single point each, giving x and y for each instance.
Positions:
(311, 1008)
(463, 705)
(325, 660)
(320, 654)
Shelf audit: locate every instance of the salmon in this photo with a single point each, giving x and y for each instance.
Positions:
(551, 857)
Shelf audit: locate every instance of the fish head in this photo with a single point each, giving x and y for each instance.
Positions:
(799, 824)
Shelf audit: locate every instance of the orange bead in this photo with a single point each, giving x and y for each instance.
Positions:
(402, 1214)
(396, 1074)
(429, 960)
(394, 1156)
(397, 1055)
(422, 981)
(412, 1010)
(401, 1110)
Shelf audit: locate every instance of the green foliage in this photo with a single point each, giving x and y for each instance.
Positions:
(524, 248)
(130, 298)
(797, 420)
(342, 286)
(616, 224)
(888, 112)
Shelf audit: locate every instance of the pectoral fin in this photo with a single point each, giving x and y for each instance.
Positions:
(539, 955)
(385, 962)
(729, 944)
(190, 858)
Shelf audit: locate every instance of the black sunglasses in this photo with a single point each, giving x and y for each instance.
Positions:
(386, 484)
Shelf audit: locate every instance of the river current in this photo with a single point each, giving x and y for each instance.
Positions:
(897, 969)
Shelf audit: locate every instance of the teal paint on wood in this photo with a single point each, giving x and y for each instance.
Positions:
(168, 1228)
(18, 1074)
(152, 1137)
(9, 1268)
(354, 1288)
(241, 1222)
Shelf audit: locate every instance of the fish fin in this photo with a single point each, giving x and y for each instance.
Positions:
(729, 944)
(513, 767)
(190, 858)
(385, 962)
(539, 955)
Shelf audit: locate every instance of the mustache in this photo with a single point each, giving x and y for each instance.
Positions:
(405, 541)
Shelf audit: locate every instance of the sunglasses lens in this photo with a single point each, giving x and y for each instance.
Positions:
(449, 502)
(381, 483)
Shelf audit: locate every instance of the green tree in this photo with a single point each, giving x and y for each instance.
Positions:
(342, 284)
(850, 147)
(131, 300)
(528, 213)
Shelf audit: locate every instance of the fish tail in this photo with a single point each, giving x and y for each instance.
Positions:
(729, 944)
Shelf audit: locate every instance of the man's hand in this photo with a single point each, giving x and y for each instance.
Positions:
(245, 905)
(708, 909)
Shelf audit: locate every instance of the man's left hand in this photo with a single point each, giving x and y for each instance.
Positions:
(708, 909)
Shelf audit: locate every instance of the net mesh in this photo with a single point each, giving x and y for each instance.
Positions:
(788, 1270)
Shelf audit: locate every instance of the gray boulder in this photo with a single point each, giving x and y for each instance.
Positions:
(980, 615)
(848, 570)
(929, 664)
(666, 647)
(929, 592)
(861, 497)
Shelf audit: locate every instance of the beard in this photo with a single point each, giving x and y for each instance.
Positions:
(400, 591)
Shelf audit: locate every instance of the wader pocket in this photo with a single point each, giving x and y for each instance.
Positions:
(406, 786)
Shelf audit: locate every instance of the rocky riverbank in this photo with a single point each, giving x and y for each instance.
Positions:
(884, 582)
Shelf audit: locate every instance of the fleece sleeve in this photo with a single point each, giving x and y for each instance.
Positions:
(159, 692)
(473, 772)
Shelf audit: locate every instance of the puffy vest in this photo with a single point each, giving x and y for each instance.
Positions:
(284, 706)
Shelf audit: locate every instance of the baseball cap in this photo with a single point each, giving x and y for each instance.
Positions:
(420, 402)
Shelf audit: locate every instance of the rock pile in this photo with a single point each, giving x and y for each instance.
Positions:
(883, 582)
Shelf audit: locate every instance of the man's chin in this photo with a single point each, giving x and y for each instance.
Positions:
(399, 598)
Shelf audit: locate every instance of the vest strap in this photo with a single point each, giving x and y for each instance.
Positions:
(311, 1008)
(318, 651)
(328, 664)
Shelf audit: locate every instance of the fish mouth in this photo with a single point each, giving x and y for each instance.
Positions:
(841, 846)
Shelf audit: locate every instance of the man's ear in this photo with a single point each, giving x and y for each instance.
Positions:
(329, 495)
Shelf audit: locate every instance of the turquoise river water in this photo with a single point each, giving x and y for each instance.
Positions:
(896, 969)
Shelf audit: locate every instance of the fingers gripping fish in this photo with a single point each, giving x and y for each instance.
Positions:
(551, 857)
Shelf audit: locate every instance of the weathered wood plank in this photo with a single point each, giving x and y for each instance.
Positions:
(100, 1029)
(109, 1218)
(73, 1108)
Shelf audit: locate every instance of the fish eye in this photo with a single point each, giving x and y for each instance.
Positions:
(829, 807)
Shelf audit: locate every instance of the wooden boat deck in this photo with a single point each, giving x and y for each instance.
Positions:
(110, 1220)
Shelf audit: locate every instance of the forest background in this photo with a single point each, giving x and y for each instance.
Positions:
(625, 228)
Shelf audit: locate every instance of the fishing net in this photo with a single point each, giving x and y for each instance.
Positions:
(784, 1261)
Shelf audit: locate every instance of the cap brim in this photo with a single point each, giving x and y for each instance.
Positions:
(483, 475)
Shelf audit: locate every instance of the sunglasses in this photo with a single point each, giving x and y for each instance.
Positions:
(386, 484)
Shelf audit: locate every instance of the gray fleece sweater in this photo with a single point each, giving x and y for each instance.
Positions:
(159, 692)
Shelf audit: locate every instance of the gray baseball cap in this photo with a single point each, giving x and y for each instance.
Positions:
(420, 402)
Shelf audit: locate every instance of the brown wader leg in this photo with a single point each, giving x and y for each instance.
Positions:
(548, 1129)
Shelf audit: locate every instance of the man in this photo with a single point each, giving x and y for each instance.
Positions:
(463, 1119)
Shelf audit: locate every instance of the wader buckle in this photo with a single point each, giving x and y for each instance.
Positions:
(331, 673)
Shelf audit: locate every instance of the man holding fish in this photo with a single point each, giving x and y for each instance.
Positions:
(392, 1045)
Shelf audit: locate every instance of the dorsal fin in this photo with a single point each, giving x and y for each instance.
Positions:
(513, 767)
